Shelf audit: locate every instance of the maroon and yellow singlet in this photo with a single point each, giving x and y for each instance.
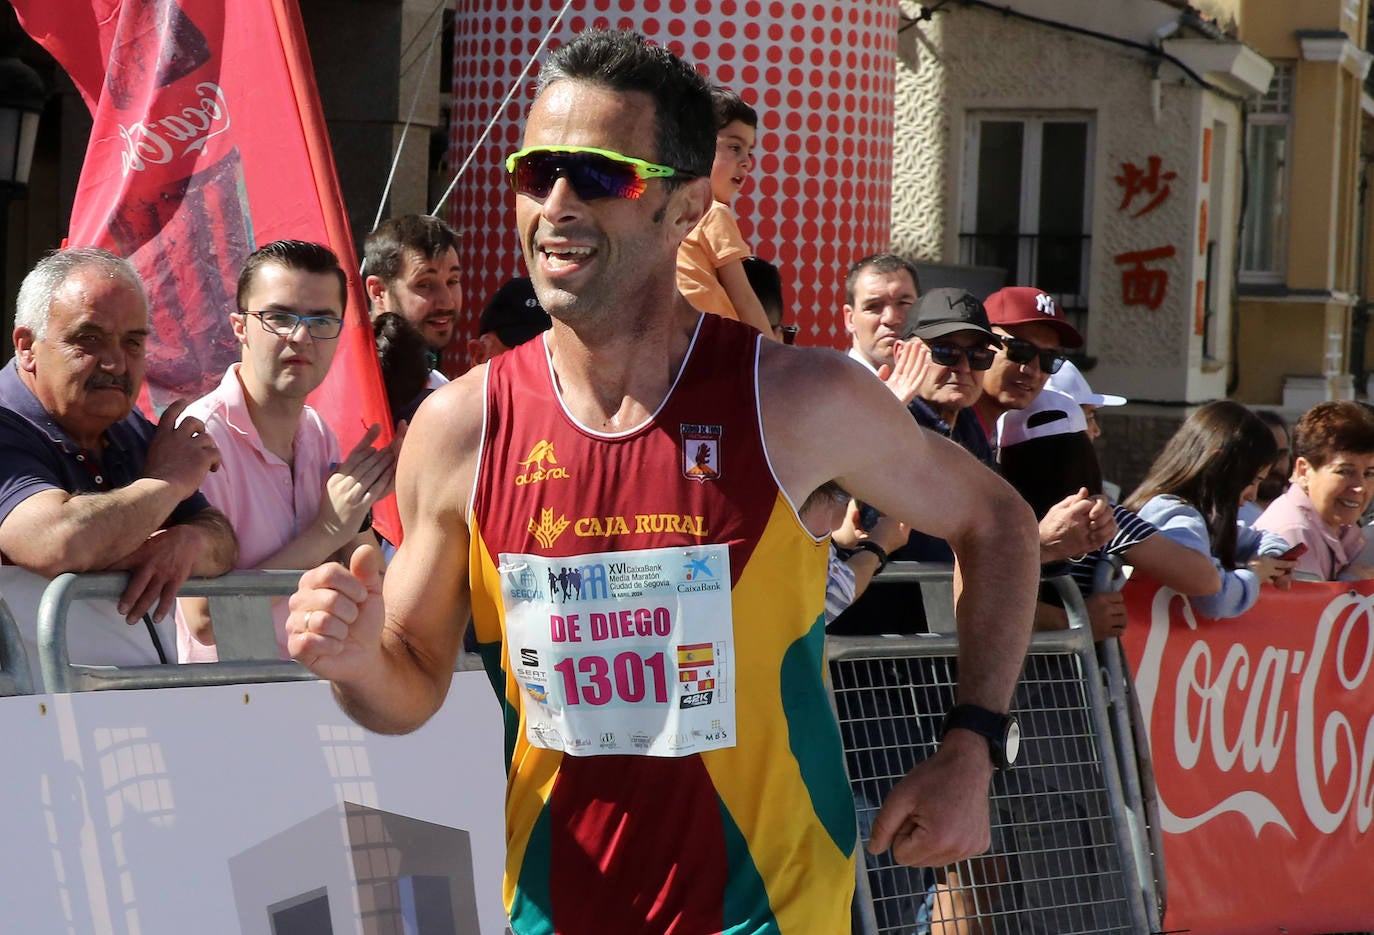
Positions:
(650, 611)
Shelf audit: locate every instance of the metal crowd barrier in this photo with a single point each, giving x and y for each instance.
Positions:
(245, 637)
(1071, 850)
(15, 676)
(240, 604)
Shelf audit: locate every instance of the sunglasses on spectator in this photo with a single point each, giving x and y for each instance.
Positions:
(949, 355)
(320, 327)
(592, 173)
(1021, 351)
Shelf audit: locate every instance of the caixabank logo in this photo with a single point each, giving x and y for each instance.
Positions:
(699, 575)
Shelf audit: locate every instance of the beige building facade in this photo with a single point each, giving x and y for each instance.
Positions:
(1187, 181)
(1304, 268)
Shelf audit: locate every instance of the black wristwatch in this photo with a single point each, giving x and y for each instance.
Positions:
(1002, 731)
(868, 545)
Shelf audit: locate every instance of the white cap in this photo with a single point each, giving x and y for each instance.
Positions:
(1050, 413)
(1069, 381)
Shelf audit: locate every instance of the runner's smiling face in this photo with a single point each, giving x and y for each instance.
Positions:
(597, 259)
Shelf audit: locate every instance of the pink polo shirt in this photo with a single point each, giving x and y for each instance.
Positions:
(1329, 551)
(268, 501)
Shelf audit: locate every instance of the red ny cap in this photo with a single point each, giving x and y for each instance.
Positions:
(1021, 305)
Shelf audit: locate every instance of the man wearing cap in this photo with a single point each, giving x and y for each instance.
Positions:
(512, 317)
(956, 343)
(1034, 334)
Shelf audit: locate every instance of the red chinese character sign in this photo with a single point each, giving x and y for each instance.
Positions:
(821, 74)
(1150, 181)
(1144, 188)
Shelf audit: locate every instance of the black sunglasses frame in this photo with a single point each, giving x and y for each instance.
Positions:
(1021, 351)
(953, 353)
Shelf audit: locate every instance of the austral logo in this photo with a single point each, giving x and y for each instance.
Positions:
(547, 529)
(540, 465)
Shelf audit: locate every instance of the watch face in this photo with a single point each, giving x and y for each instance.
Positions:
(1013, 741)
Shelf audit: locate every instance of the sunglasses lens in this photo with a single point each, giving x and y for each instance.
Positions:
(594, 176)
(945, 356)
(1019, 352)
(1023, 352)
(980, 358)
(591, 175)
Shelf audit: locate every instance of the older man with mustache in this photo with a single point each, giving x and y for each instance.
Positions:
(86, 482)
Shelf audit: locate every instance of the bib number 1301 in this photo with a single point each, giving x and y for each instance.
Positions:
(627, 678)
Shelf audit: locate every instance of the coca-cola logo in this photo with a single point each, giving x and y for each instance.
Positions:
(159, 141)
(1259, 710)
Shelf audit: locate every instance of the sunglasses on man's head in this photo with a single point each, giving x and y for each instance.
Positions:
(592, 173)
(949, 355)
(1021, 351)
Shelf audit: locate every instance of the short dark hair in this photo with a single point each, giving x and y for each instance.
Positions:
(384, 250)
(766, 282)
(1329, 428)
(292, 254)
(730, 107)
(625, 61)
(879, 263)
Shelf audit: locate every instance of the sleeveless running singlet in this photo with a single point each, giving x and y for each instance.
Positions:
(650, 612)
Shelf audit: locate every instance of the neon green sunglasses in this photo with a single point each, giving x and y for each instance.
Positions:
(592, 173)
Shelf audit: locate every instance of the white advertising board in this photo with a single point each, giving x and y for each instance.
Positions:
(239, 808)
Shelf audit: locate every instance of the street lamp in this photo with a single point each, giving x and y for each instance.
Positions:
(22, 96)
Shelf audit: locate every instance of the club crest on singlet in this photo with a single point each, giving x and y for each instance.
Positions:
(700, 451)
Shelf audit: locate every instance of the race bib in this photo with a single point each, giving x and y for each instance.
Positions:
(623, 652)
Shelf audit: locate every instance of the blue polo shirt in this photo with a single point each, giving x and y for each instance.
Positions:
(36, 455)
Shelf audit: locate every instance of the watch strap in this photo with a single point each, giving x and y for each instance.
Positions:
(993, 726)
(868, 545)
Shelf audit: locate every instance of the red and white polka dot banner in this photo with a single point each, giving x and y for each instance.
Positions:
(821, 75)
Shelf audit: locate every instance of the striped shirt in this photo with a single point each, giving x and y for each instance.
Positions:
(1130, 530)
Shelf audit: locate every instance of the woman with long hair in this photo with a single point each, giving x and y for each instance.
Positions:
(1193, 493)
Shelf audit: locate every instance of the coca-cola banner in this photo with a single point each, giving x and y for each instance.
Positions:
(208, 141)
(1262, 734)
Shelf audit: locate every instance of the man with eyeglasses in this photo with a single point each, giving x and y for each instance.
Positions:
(1034, 334)
(615, 507)
(86, 482)
(291, 499)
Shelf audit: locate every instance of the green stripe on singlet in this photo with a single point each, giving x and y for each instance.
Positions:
(529, 911)
(815, 737)
(745, 897)
(492, 660)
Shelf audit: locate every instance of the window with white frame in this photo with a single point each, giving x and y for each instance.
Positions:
(1027, 204)
(1268, 137)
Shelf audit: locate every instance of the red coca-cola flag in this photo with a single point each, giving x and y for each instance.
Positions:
(208, 141)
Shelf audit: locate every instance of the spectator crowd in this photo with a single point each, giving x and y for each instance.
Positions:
(998, 413)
